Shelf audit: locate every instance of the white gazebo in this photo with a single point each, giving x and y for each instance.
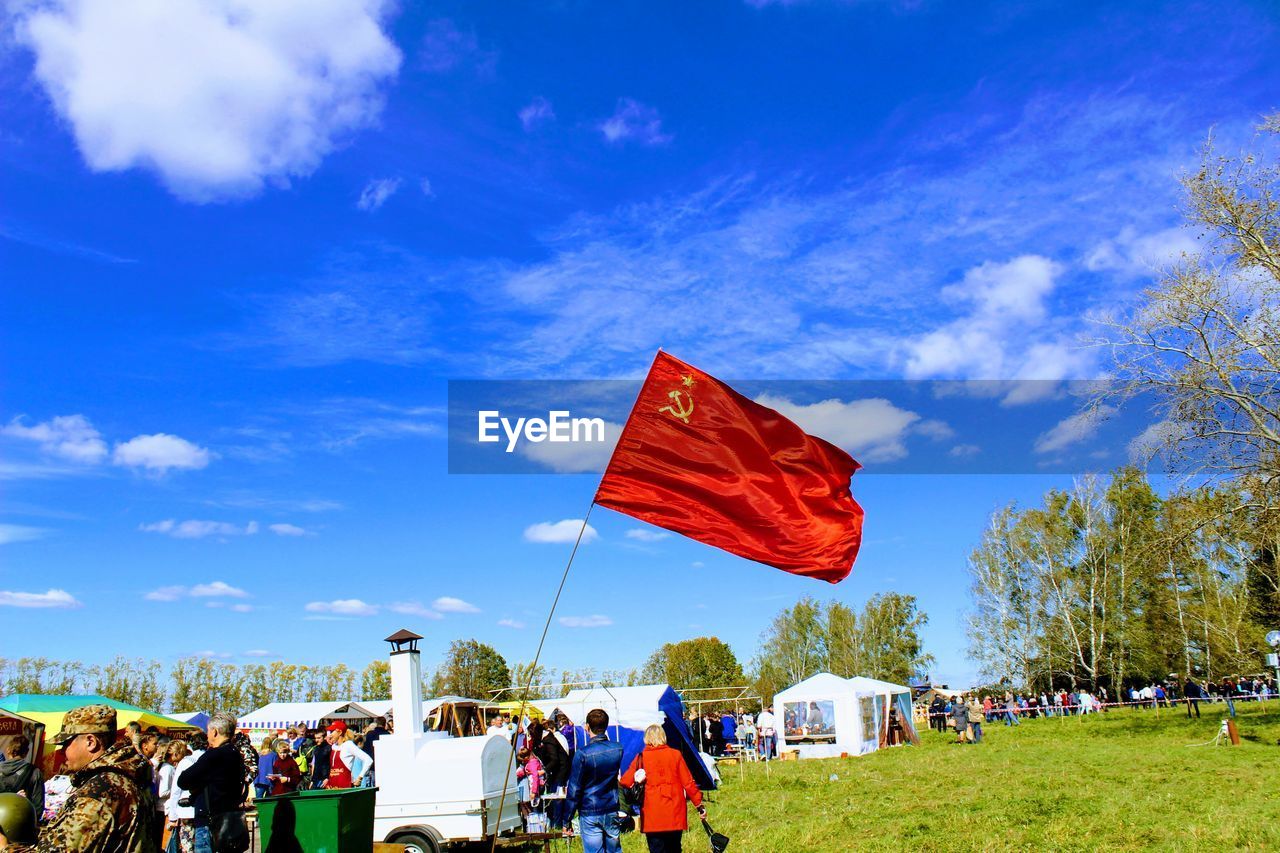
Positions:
(825, 716)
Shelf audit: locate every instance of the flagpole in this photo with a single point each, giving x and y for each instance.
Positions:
(533, 669)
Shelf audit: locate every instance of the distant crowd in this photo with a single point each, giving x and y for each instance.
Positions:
(966, 713)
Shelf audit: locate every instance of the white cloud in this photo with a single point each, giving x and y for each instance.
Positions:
(535, 113)
(1073, 429)
(198, 529)
(217, 589)
(873, 430)
(216, 96)
(935, 429)
(69, 437)
(425, 186)
(574, 457)
(633, 121)
(242, 608)
(287, 530)
(560, 532)
(594, 621)
(1137, 254)
(257, 653)
(166, 593)
(160, 452)
(448, 604)
(1153, 439)
(343, 607)
(510, 623)
(214, 590)
(964, 451)
(414, 608)
(10, 533)
(376, 193)
(994, 339)
(644, 534)
(54, 598)
(210, 653)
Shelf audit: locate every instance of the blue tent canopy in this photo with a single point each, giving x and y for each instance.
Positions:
(631, 710)
(195, 718)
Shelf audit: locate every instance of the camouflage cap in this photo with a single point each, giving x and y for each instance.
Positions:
(87, 720)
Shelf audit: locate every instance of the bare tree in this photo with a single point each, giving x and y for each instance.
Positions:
(1205, 343)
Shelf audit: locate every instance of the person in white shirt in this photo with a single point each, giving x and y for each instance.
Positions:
(182, 818)
(167, 775)
(347, 762)
(767, 731)
(497, 726)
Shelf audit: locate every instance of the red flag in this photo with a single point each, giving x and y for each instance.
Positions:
(700, 459)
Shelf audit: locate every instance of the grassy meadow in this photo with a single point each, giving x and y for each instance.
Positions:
(1125, 780)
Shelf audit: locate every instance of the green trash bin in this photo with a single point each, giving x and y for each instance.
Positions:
(323, 821)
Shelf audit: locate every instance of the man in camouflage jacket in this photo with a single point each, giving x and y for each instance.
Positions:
(112, 807)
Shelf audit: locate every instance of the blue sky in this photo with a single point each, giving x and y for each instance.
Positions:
(242, 254)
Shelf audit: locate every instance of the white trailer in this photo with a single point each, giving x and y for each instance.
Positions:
(434, 790)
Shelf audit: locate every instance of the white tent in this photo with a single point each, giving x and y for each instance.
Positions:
(826, 715)
(889, 695)
(429, 705)
(377, 707)
(282, 715)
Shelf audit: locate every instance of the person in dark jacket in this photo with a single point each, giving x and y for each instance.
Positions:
(20, 776)
(371, 744)
(318, 761)
(1193, 694)
(938, 713)
(716, 730)
(555, 763)
(216, 781)
(593, 787)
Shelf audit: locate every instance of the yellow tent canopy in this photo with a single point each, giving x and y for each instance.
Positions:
(512, 706)
(48, 711)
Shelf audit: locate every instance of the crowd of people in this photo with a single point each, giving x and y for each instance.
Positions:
(558, 780)
(142, 791)
(719, 734)
(137, 790)
(967, 713)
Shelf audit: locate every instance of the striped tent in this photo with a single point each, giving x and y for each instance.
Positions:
(313, 715)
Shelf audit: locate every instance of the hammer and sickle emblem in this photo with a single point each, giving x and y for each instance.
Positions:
(681, 401)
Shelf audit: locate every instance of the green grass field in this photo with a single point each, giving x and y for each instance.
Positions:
(1124, 780)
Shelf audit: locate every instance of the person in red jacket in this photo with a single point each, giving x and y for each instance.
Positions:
(286, 777)
(667, 782)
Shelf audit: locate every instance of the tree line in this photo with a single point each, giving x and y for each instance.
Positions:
(880, 641)
(196, 683)
(1109, 583)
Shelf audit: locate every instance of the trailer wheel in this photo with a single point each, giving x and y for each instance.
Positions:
(416, 842)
